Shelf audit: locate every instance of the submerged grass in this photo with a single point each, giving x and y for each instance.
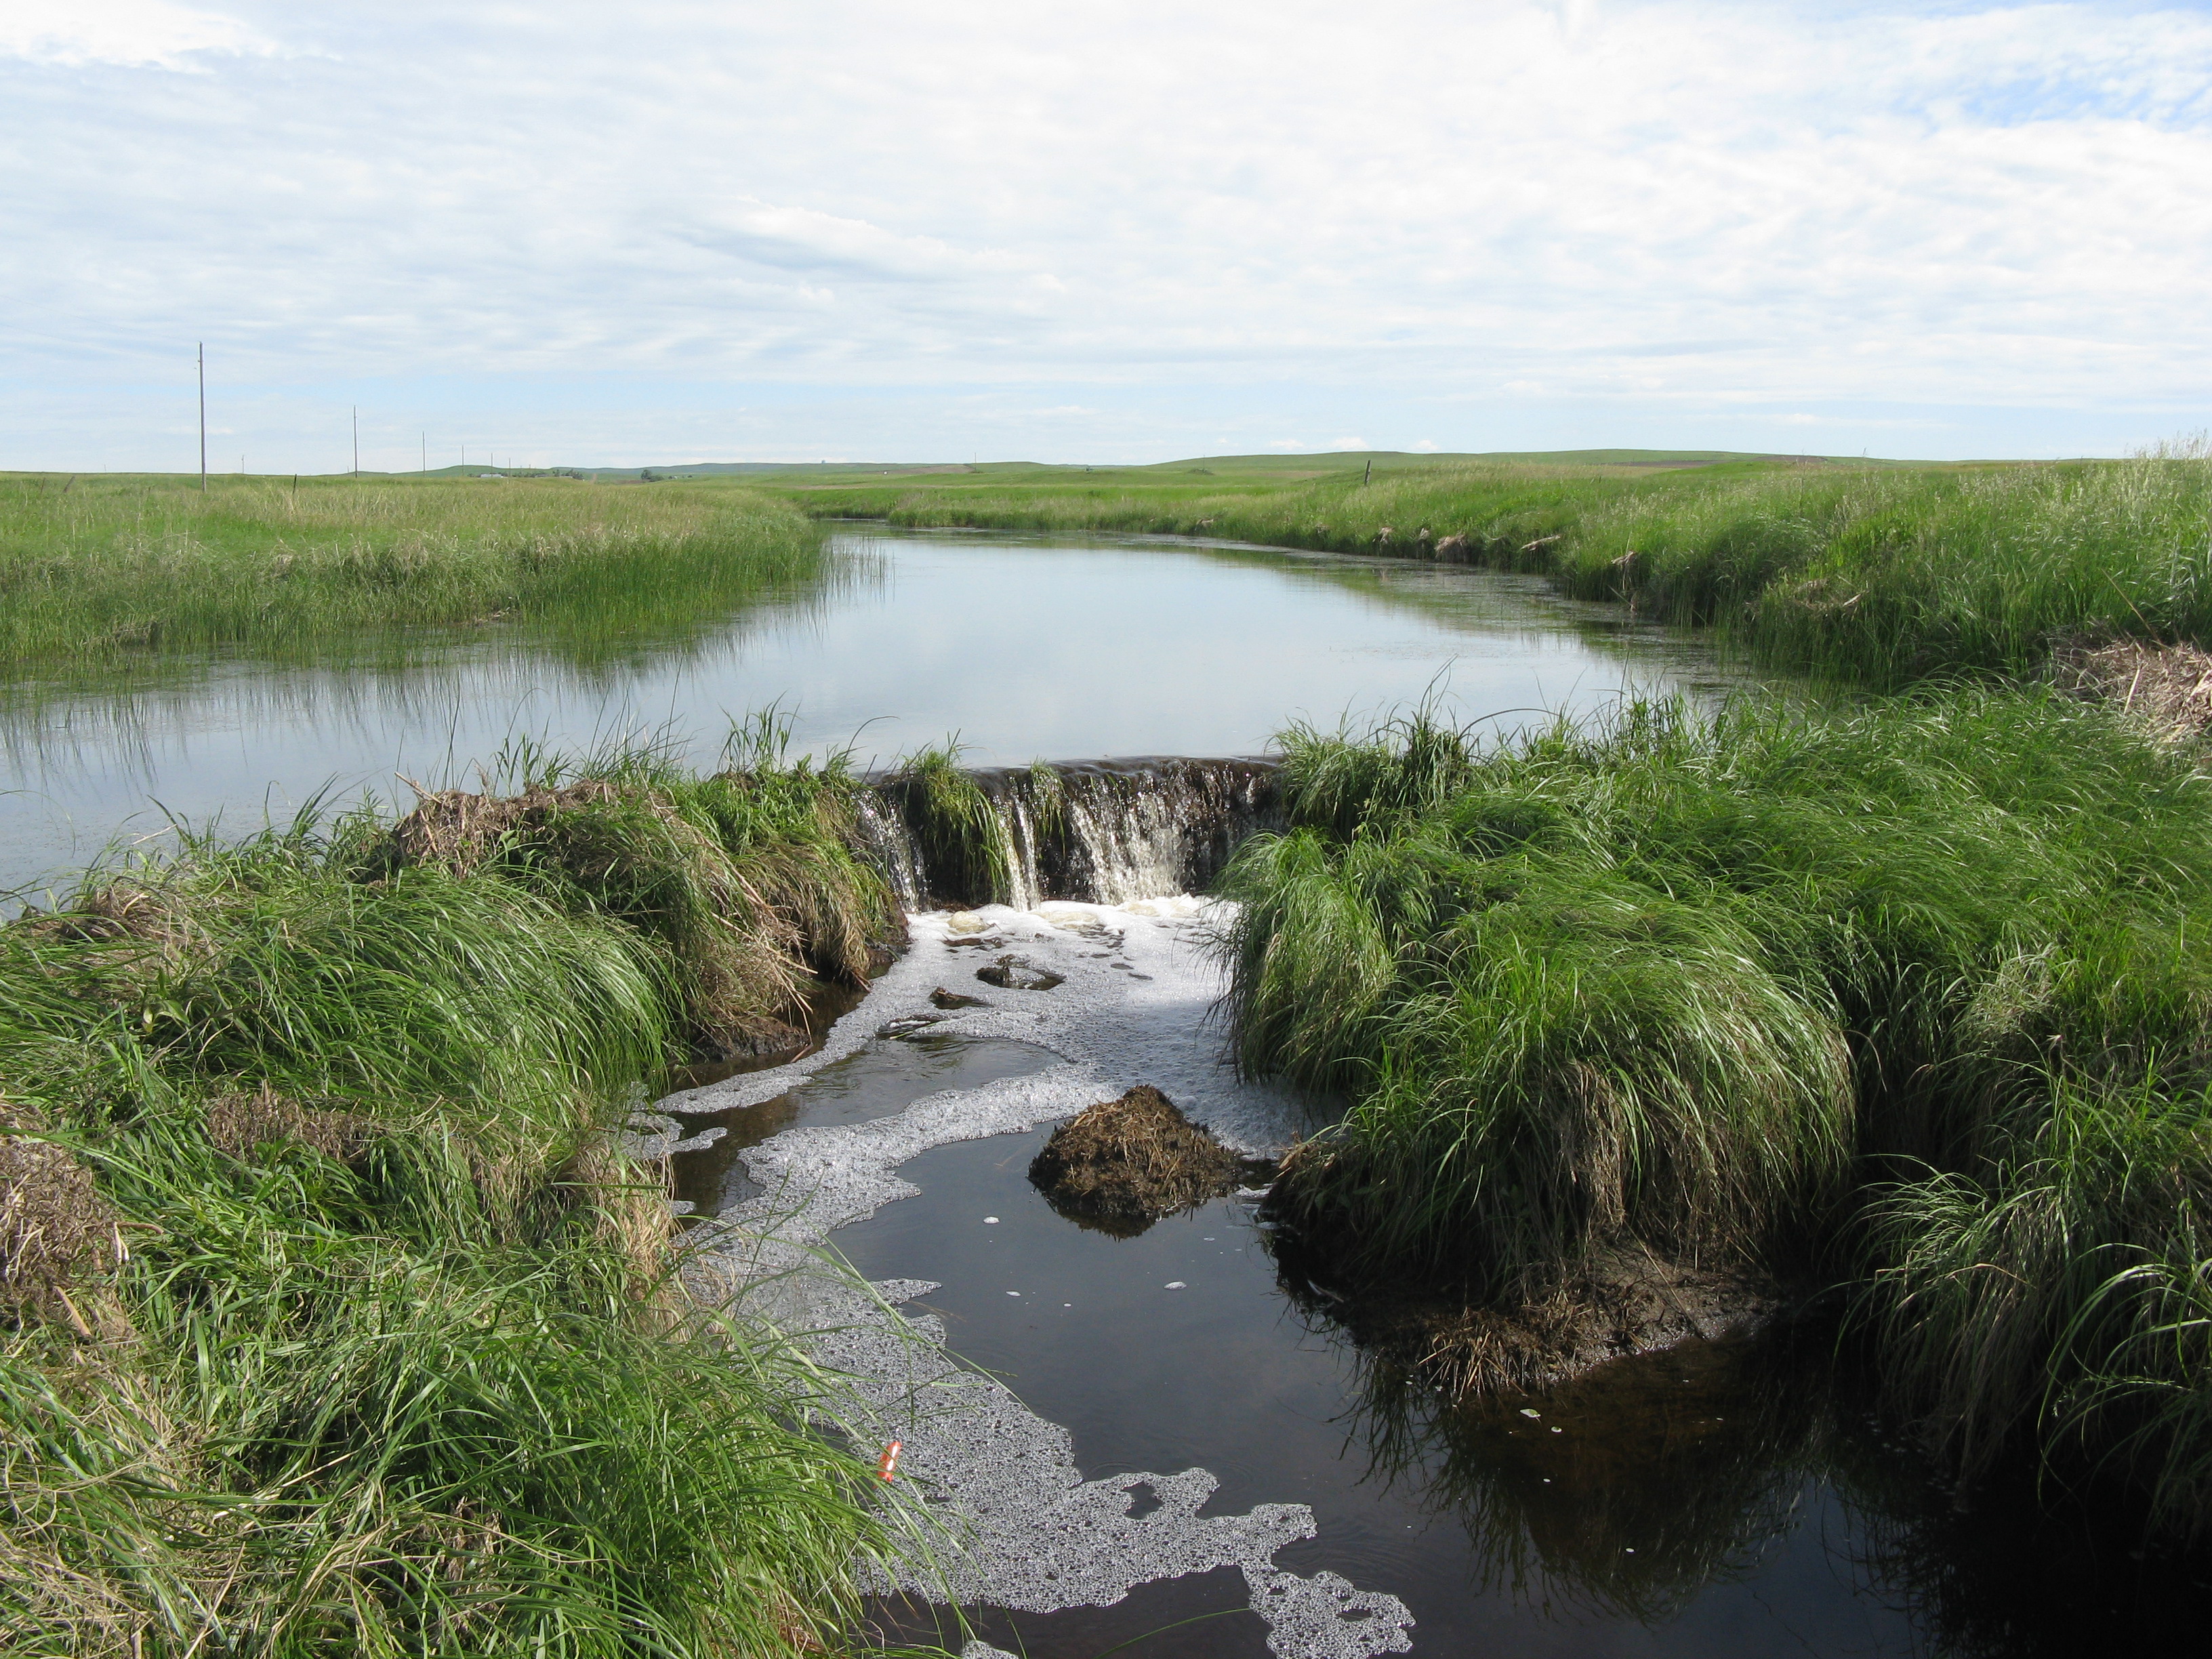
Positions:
(118, 569)
(1918, 991)
(362, 1339)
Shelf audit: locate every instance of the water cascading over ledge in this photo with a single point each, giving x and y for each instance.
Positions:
(1102, 832)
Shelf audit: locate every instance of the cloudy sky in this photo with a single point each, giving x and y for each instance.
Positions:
(1120, 230)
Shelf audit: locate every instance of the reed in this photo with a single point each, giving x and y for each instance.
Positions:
(366, 1339)
(119, 570)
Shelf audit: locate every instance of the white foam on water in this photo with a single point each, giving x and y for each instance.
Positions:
(1023, 1529)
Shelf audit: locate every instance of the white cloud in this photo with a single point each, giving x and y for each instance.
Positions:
(1348, 443)
(1425, 446)
(1663, 211)
(131, 33)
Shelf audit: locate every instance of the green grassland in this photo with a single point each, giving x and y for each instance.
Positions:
(1871, 573)
(104, 572)
(1913, 995)
(331, 1321)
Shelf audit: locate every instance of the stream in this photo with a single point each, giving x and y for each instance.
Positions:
(1151, 1440)
(1150, 1444)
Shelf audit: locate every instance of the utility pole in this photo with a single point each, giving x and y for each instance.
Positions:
(356, 441)
(203, 417)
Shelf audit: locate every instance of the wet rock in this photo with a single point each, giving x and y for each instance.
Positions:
(1123, 1164)
(1013, 973)
(768, 1038)
(907, 1025)
(944, 999)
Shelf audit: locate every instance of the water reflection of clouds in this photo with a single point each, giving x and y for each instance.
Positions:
(1065, 649)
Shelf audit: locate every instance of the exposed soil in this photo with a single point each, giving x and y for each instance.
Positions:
(770, 1040)
(1123, 1164)
(2167, 689)
(1626, 1303)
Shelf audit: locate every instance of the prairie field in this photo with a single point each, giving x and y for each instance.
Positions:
(110, 571)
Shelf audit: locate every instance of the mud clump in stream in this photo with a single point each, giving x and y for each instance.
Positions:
(1121, 1165)
(1621, 1304)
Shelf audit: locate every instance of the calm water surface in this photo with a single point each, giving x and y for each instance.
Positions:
(1064, 648)
(1733, 1500)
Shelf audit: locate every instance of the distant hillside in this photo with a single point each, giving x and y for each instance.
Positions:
(1278, 465)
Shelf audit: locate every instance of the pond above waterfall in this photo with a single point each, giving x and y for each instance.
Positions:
(1021, 646)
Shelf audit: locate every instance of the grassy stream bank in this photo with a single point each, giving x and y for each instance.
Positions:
(330, 1320)
(1874, 575)
(1910, 994)
(108, 572)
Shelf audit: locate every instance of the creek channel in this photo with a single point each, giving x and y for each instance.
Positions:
(1024, 647)
(1153, 1440)
(1162, 1440)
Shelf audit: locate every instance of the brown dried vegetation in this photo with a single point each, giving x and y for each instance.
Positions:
(2164, 688)
(60, 1239)
(1123, 1164)
(240, 1122)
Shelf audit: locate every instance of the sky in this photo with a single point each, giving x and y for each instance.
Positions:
(1119, 230)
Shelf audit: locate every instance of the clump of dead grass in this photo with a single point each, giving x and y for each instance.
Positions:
(240, 1122)
(2166, 690)
(61, 1242)
(1125, 1162)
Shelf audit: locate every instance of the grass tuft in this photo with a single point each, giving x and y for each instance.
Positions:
(1917, 991)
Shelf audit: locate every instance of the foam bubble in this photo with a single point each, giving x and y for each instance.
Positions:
(1024, 1529)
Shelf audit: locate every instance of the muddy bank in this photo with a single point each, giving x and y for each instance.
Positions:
(1627, 1303)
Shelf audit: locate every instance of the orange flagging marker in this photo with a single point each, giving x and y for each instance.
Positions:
(890, 1464)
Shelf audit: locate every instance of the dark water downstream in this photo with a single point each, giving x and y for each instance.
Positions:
(1734, 1498)
(1059, 648)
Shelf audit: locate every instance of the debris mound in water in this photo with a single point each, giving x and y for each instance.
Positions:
(1123, 1164)
(1012, 973)
(1619, 1305)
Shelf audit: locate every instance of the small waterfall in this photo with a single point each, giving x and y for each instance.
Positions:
(1104, 832)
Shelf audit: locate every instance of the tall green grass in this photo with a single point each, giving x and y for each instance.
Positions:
(119, 569)
(1873, 575)
(365, 1340)
(1919, 992)
(1883, 578)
